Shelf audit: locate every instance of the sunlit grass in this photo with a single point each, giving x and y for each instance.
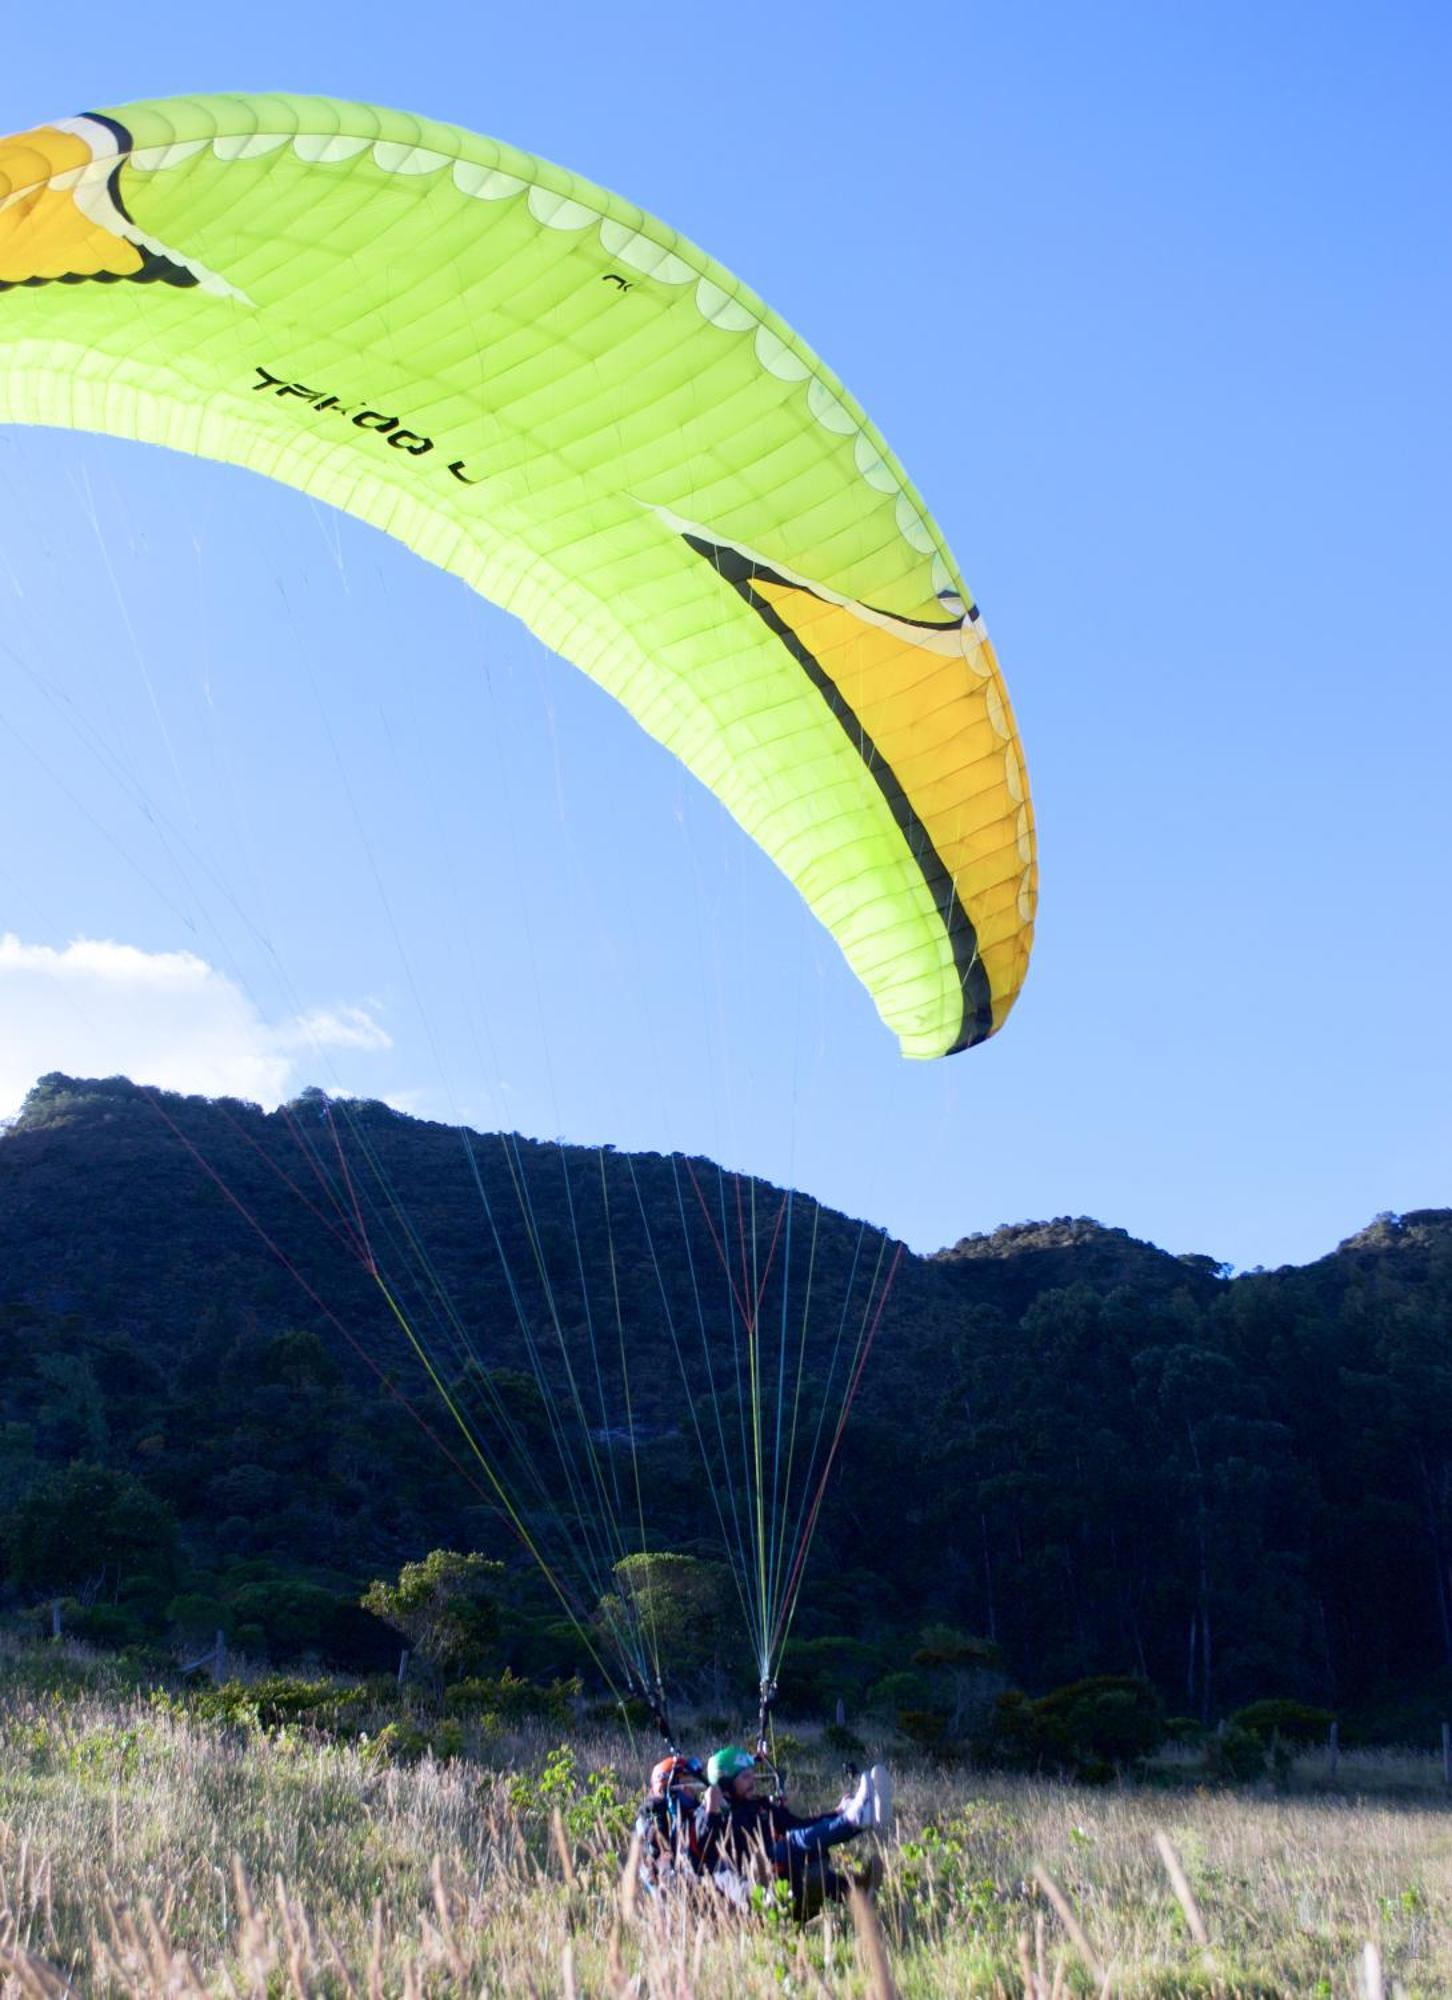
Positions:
(144, 1852)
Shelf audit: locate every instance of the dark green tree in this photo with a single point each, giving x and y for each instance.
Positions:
(90, 1528)
(447, 1607)
(683, 1611)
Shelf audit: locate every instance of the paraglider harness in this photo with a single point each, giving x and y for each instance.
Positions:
(743, 1842)
(669, 1835)
(764, 1757)
(775, 1776)
(804, 1871)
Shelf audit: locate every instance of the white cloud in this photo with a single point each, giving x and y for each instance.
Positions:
(413, 1103)
(332, 1028)
(98, 1008)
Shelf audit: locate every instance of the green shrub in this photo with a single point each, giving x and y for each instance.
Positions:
(818, 1673)
(1091, 1727)
(446, 1606)
(1235, 1756)
(193, 1616)
(589, 1802)
(628, 1712)
(945, 1699)
(88, 1522)
(280, 1701)
(111, 1625)
(926, 1729)
(1292, 1721)
(1116, 1718)
(944, 1646)
(144, 1665)
(406, 1740)
(910, 1688)
(789, 1756)
(508, 1699)
(292, 1617)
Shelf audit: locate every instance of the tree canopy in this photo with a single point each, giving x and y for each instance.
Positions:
(1231, 1488)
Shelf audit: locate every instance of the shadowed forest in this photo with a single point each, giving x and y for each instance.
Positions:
(1071, 1453)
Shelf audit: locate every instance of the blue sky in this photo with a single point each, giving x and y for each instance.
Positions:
(1152, 301)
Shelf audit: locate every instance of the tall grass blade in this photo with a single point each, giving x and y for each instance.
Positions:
(1064, 1911)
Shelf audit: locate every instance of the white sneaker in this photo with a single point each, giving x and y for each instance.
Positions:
(857, 1805)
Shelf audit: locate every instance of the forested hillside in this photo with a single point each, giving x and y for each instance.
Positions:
(1098, 1456)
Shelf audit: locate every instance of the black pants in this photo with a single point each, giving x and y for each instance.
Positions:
(813, 1883)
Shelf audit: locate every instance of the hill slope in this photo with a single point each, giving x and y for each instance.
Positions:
(1098, 1454)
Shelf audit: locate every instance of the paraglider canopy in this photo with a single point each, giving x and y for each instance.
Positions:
(553, 396)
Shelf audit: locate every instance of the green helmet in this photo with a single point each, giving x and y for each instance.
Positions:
(728, 1764)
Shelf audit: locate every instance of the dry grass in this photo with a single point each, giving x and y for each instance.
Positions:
(144, 1853)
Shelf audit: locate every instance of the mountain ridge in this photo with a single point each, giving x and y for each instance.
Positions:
(1097, 1454)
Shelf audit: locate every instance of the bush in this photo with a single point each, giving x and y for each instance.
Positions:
(446, 1606)
(1116, 1718)
(909, 1689)
(87, 1526)
(591, 1803)
(407, 1741)
(1235, 1756)
(114, 1626)
(281, 1700)
(906, 1699)
(818, 1673)
(946, 1698)
(143, 1666)
(685, 1606)
(926, 1729)
(353, 1640)
(788, 1751)
(1292, 1721)
(291, 1617)
(1091, 1727)
(146, 1598)
(943, 1646)
(194, 1617)
(508, 1699)
(636, 1716)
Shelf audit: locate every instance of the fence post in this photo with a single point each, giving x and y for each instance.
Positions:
(55, 1618)
(402, 1665)
(1447, 1755)
(1333, 1751)
(219, 1668)
(841, 1713)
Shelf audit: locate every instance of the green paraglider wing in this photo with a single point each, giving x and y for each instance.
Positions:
(551, 395)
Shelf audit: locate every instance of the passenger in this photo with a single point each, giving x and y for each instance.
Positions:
(671, 1823)
(749, 1839)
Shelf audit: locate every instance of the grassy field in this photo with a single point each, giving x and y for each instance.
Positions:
(146, 1851)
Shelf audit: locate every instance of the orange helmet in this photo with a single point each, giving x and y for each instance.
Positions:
(674, 1773)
